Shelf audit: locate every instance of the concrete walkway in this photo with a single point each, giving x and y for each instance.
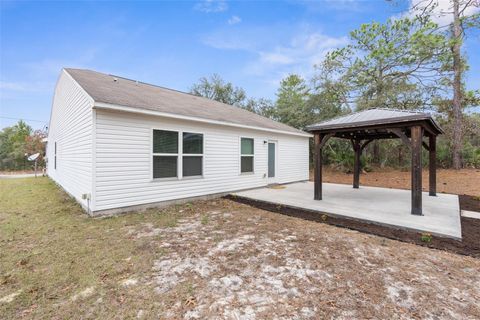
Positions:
(441, 214)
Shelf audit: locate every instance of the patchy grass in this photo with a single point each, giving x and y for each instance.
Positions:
(61, 264)
(204, 219)
(213, 259)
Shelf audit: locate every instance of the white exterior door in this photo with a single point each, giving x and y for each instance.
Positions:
(272, 161)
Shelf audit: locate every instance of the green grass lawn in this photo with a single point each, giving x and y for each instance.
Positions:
(53, 256)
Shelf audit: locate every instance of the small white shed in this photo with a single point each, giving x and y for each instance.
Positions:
(116, 144)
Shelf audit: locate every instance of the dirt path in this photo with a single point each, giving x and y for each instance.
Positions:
(465, 181)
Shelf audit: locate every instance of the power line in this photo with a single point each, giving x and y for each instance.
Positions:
(11, 118)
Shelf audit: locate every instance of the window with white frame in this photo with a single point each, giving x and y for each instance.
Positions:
(192, 149)
(246, 155)
(170, 153)
(165, 154)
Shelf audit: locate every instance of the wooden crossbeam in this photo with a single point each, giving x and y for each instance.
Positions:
(399, 133)
(366, 144)
(426, 146)
(325, 139)
(354, 145)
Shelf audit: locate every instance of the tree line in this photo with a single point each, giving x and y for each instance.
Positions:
(19, 141)
(406, 63)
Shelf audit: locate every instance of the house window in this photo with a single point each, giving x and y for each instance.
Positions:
(55, 156)
(170, 154)
(165, 154)
(246, 155)
(192, 154)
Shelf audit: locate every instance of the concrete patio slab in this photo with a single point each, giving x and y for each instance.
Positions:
(391, 207)
(471, 214)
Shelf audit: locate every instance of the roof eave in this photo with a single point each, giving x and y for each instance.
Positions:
(359, 125)
(115, 107)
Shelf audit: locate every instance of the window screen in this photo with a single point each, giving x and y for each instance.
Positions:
(246, 155)
(192, 143)
(192, 166)
(247, 146)
(247, 164)
(164, 167)
(165, 141)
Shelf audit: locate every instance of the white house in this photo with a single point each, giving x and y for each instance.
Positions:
(116, 144)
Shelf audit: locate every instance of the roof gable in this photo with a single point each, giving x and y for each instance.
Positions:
(114, 90)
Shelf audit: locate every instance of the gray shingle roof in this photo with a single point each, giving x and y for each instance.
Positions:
(142, 96)
(373, 117)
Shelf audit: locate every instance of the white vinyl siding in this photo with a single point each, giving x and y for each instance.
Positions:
(124, 159)
(70, 138)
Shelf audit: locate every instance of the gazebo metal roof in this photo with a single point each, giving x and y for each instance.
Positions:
(374, 118)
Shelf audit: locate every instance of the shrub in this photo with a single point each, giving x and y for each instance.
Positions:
(426, 237)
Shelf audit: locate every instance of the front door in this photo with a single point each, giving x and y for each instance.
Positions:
(272, 161)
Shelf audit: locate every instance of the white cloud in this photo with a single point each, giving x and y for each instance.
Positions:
(299, 55)
(442, 14)
(338, 5)
(234, 20)
(245, 38)
(13, 86)
(275, 58)
(8, 88)
(276, 51)
(211, 6)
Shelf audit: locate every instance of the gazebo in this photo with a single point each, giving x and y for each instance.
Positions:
(363, 127)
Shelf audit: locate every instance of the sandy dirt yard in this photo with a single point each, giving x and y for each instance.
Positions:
(243, 263)
(216, 259)
(464, 181)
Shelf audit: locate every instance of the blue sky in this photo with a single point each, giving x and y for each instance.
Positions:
(173, 44)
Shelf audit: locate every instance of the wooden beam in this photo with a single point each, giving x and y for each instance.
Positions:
(416, 148)
(399, 133)
(366, 144)
(325, 139)
(425, 145)
(317, 171)
(353, 143)
(428, 128)
(432, 165)
(356, 164)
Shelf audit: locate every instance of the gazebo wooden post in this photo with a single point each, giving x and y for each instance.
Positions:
(416, 141)
(317, 171)
(356, 166)
(432, 165)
